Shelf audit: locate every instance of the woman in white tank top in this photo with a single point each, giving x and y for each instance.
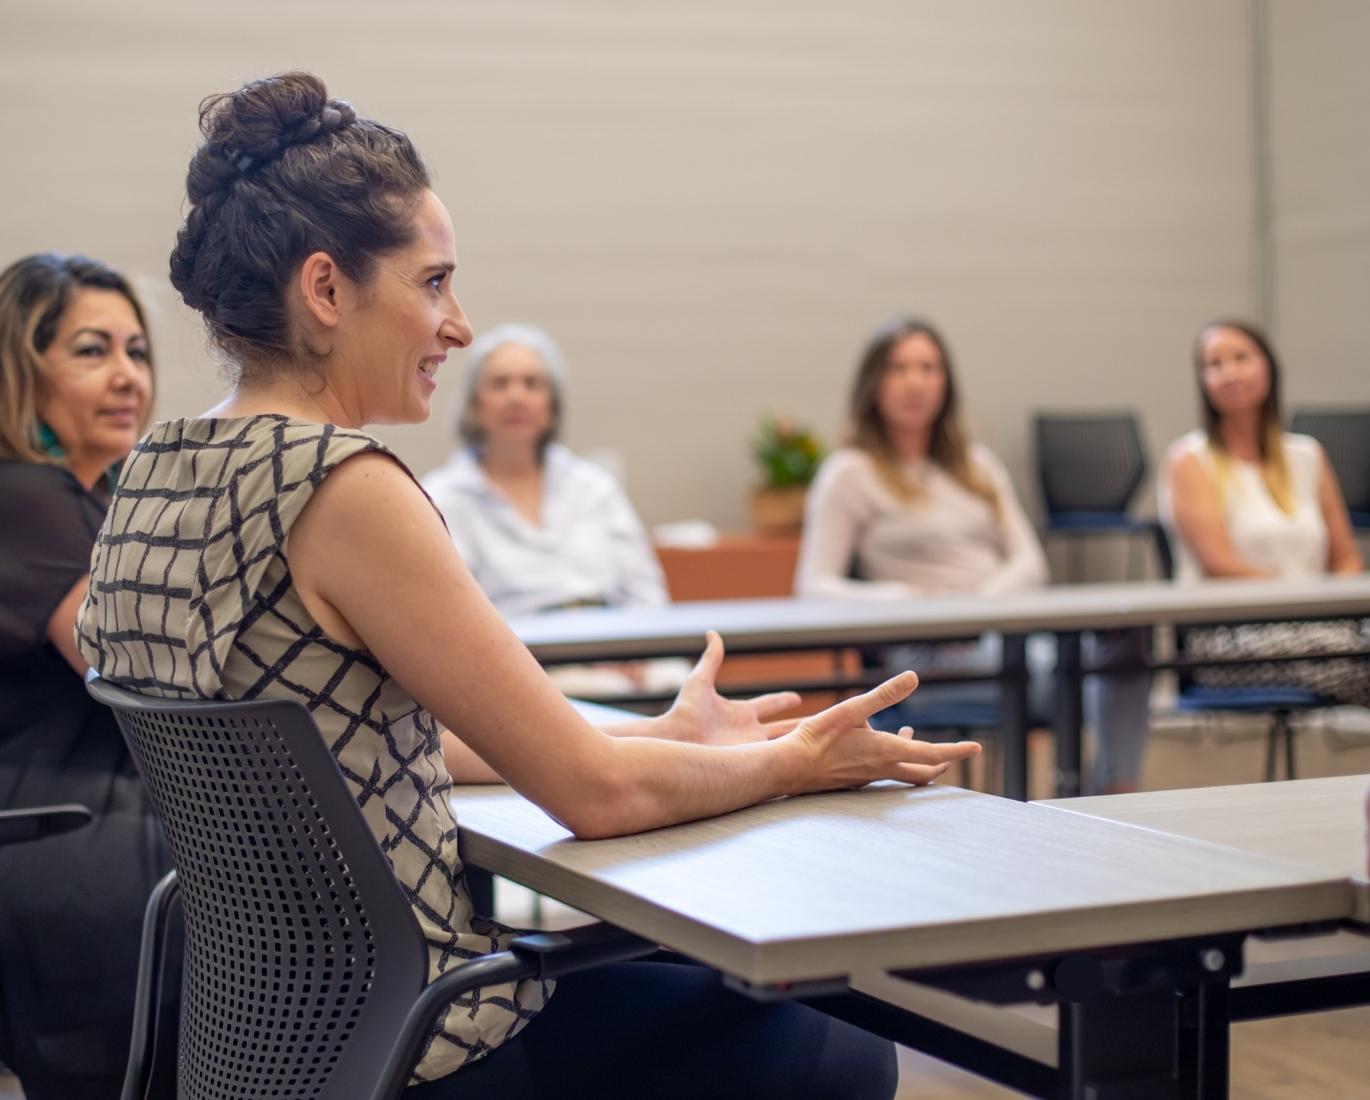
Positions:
(1243, 498)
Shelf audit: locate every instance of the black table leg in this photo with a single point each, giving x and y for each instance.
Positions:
(1069, 717)
(1205, 1026)
(1121, 1047)
(481, 884)
(1013, 715)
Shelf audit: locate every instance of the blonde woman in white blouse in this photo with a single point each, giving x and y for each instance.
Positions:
(912, 508)
(1241, 497)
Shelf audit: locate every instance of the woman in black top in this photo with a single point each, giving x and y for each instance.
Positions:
(75, 394)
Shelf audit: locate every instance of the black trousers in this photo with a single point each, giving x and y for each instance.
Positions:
(662, 1031)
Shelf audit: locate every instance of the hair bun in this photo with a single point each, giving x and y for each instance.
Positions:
(265, 117)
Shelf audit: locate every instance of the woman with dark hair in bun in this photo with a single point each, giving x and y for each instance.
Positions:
(322, 263)
(75, 392)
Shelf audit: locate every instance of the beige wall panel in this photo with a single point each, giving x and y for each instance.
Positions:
(1319, 111)
(710, 204)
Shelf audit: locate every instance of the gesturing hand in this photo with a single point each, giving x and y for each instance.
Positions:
(700, 714)
(840, 749)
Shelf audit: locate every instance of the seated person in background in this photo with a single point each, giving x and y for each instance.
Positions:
(411, 675)
(538, 527)
(1241, 497)
(911, 508)
(75, 392)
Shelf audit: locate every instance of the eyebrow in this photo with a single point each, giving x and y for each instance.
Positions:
(446, 266)
(105, 335)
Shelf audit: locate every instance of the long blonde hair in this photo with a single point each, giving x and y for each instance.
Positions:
(950, 445)
(1274, 465)
(34, 293)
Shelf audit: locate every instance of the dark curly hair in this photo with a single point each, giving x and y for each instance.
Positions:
(285, 171)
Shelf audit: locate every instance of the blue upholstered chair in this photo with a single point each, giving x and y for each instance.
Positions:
(1090, 466)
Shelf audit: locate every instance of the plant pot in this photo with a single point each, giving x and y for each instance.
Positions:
(778, 511)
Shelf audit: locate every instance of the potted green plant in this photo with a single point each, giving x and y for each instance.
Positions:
(789, 456)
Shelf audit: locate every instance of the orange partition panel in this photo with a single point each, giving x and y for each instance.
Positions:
(747, 566)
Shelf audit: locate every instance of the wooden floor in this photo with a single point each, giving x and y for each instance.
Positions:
(1325, 1056)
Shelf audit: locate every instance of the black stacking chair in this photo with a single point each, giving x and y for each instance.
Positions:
(1090, 467)
(1345, 436)
(305, 973)
(1281, 703)
(36, 822)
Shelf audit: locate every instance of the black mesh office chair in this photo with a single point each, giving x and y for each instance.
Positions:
(1345, 436)
(1280, 702)
(1090, 467)
(305, 972)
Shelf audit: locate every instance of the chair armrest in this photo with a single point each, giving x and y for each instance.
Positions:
(36, 822)
(537, 955)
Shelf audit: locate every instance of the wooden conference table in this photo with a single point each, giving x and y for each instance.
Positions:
(1136, 932)
(776, 625)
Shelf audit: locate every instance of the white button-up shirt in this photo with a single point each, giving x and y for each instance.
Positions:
(590, 545)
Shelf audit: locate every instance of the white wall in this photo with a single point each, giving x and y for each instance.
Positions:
(709, 204)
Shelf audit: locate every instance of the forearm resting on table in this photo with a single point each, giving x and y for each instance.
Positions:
(660, 782)
(465, 765)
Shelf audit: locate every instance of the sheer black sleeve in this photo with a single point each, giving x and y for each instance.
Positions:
(48, 524)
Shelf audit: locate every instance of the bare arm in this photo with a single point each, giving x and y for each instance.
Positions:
(402, 592)
(1343, 555)
(61, 630)
(1199, 520)
(1025, 563)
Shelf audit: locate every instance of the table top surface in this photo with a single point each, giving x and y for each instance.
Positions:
(1310, 822)
(606, 633)
(829, 885)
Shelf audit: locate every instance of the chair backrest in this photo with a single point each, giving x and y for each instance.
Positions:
(302, 954)
(1089, 463)
(1345, 436)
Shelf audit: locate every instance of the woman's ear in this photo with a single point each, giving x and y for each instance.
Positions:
(320, 289)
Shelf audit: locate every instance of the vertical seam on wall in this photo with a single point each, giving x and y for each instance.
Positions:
(1263, 274)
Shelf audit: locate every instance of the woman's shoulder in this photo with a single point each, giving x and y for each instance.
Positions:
(293, 449)
(1305, 447)
(1191, 444)
(34, 489)
(21, 480)
(983, 458)
(570, 469)
(460, 473)
(847, 464)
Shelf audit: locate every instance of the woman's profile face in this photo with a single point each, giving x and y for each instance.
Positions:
(97, 381)
(405, 321)
(1235, 375)
(913, 388)
(513, 397)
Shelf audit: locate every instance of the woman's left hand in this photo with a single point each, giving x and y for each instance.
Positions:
(701, 714)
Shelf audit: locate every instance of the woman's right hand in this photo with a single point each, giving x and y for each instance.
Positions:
(839, 748)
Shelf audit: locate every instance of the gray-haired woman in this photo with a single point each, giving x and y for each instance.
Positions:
(538, 526)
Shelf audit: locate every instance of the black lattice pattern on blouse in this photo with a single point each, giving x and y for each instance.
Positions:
(191, 597)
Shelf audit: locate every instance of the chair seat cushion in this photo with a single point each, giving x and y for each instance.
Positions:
(1083, 522)
(1250, 699)
(939, 717)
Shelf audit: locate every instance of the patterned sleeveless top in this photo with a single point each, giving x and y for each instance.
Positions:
(191, 597)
